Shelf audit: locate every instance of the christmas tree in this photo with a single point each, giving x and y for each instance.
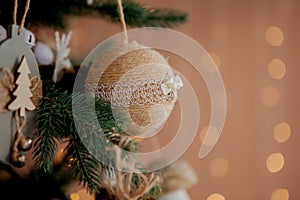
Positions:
(55, 117)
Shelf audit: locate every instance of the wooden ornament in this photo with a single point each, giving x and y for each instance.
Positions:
(22, 91)
(3, 33)
(12, 52)
(6, 87)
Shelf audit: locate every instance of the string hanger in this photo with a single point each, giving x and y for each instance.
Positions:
(24, 16)
(123, 23)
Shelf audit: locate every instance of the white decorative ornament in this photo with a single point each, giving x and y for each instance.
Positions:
(172, 85)
(90, 2)
(62, 55)
(43, 53)
(180, 194)
(3, 33)
(29, 38)
(12, 53)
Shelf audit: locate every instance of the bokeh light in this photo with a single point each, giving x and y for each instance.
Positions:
(216, 59)
(275, 162)
(82, 194)
(282, 132)
(274, 36)
(212, 137)
(277, 69)
(74, 196)
(270, 96)
(280, 194)
(216, 196)
(218, 167)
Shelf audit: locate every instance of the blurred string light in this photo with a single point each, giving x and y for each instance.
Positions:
(215, 196)
(74, 196)
(212, 137)
(270, 96)
(275, 162)
(274, 36)
(280, 194)
(82, 194)
(216, 58)
(282, 132)
(277, 69)
(219, 167)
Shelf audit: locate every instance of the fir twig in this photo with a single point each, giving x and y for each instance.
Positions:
(56, 122)
(51, 128)
(137, 15)
(54, 13)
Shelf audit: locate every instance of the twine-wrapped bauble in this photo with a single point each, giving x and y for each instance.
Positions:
(137, 81)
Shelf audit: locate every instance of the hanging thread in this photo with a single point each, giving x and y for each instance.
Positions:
(15, 12)
(24, 16)
(123, 23)
(20, 126)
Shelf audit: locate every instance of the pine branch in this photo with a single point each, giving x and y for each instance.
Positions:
(137, 15)
(56, 122)
(84, 165)
(53, 13)
(50, 129)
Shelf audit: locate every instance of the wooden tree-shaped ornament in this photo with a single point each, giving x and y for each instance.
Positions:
(21, 103)
(12, 51)
(22, 92)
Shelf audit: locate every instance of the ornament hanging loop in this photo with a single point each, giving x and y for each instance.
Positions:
(123, 23)
(24, 16)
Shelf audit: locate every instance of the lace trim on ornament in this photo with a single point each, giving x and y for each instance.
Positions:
(137, 92)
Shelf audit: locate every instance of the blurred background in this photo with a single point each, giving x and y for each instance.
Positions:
(255, 44)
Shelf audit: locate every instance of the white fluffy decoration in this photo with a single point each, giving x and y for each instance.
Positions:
(43, 53)
(180, 194)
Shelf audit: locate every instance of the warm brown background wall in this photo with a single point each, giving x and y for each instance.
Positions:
(256, 46)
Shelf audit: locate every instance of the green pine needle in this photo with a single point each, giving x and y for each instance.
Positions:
(137, 15)
(53, 13)
(56, 124)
